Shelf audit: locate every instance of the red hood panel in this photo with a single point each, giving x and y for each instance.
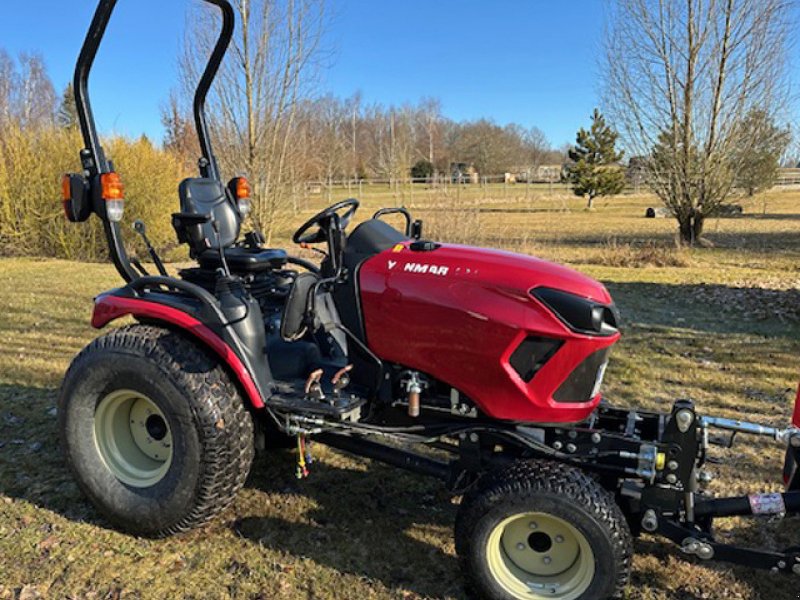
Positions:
(506, 269)
(457, 313)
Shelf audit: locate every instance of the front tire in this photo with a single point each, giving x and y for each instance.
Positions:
(154, 431)
(540, 529)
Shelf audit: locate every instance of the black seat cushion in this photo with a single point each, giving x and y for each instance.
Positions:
(244, 260)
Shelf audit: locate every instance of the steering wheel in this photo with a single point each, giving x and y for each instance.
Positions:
(323, 220)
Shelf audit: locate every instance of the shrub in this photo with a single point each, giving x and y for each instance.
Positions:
(422, 169)
(647, 254)
(31, 217)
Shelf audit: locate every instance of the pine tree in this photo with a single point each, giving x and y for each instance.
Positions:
(595, 170)
(757, 157)
(67, 115)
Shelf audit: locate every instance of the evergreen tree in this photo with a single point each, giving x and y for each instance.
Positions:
(422, 169)
(758, 155)
(595, 170)
(67, 115)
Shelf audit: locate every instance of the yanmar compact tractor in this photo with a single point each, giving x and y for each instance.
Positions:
(489, 363)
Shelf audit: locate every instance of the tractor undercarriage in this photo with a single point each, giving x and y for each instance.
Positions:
(652, 462)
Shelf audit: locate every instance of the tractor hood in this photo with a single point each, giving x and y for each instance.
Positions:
(503, 270)
(469, 316)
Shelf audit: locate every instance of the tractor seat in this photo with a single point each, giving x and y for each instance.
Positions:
(244, 260)
(205, 196)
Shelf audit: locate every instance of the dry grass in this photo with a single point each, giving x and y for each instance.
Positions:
(635, 255)
(359, 530)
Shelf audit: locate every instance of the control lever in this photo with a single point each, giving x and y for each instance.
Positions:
(341, 379)
(221, 250)
(314, 387)
(139, 227)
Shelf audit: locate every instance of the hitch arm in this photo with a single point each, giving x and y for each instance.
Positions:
(744, 506)
(703, 546)
(790, 435)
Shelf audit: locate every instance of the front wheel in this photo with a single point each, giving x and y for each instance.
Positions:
(540, 529)
(154, 431)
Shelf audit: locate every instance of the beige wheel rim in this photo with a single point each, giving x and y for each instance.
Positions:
(133, 438)
(533, 556)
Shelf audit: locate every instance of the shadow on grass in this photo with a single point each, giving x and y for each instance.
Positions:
(710, 308)
(368, 520)
(739, 240)
(751, 534)
(32, 466)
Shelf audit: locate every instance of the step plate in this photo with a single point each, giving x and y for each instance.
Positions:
(339, 408)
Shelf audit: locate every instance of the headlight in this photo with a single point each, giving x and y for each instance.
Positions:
(579, 314)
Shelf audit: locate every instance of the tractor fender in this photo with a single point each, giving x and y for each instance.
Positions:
(796, 418)
(108, 308)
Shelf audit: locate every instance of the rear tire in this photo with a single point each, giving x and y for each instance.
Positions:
(540, 529)
(154, 431)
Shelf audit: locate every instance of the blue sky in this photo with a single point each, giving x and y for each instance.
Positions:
(529, 61)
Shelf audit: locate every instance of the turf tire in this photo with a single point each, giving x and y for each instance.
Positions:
(548, 487)
(212, 432)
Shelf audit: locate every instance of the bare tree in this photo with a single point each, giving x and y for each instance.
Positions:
(537, 147)
(255, 99)
(8, 81)
(681, 76)
(35, 97)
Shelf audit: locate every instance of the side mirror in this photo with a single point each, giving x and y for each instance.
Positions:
(416, 229)
(75, 198)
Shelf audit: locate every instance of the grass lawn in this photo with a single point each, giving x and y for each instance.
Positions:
(720, 326)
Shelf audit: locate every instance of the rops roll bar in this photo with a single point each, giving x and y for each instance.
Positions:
(93, 158)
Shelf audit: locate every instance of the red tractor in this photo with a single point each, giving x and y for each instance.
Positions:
(493, 359)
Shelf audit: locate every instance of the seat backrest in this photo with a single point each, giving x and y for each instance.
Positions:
(208, 197)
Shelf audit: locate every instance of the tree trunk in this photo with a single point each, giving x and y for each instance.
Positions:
(590, 203)
(690, 228)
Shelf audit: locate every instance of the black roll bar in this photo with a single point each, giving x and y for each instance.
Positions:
(93, 158)
(210, 168)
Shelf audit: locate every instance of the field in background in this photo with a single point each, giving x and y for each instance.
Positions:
(719, 325)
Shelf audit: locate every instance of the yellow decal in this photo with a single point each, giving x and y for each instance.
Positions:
(398, 248)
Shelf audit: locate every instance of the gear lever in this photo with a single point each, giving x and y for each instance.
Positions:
(221, 250)
(139, 227)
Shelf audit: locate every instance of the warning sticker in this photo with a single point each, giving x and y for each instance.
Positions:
(767, 504)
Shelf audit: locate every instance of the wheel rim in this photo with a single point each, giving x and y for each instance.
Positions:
(537, 555)
(133, 438)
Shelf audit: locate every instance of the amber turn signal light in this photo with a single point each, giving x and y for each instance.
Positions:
(111, 184)
(242, 188)
(66, 188)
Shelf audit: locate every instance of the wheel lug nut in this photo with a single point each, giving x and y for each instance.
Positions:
(547, 560)
(520, 546)
(559, 539)
(534, 525)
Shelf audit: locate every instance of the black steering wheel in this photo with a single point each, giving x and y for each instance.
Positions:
(324, 219)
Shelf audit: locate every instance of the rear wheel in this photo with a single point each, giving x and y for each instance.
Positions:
(154, 430)
(541, 530)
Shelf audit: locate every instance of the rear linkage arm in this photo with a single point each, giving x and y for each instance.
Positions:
(674, 507)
